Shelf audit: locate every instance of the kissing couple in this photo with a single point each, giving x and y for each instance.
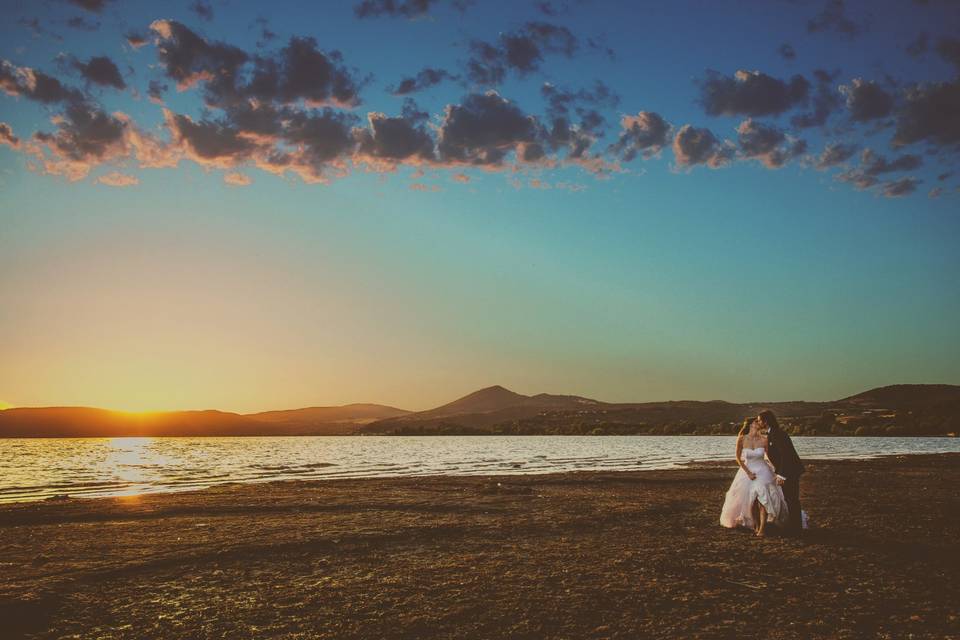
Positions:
(766, 489)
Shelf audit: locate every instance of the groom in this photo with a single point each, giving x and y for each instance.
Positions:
(787, 464)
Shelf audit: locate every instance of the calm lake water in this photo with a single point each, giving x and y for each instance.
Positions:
(34, 469)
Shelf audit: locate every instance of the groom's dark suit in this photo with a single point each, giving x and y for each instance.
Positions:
(787, 463)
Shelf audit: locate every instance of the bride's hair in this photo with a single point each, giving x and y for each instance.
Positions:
(745, 427)
(768, 418)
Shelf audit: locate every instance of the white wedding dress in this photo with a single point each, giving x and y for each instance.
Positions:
(738, 505)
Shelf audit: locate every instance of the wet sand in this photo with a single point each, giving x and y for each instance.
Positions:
(573, 555)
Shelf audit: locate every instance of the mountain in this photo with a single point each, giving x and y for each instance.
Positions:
(907, 409)
(895, 410)
(86, 422)
(347, 414)
(916, 397)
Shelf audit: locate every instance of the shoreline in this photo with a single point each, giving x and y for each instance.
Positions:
(688, 464)
(590, 554)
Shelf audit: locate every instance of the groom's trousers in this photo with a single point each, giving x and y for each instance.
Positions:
(791, 492)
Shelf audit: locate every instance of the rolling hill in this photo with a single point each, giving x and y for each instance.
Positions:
(894, 410)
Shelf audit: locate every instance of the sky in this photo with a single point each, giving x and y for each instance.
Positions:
(206, 205)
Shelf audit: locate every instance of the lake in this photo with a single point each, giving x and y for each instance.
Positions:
(35, 469)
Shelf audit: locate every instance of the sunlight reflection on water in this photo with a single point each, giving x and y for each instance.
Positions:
(34, 469)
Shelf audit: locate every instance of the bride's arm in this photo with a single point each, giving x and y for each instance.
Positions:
(740, 462)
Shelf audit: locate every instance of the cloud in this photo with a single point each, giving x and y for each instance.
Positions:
(936, 192)
(203, 10)
(873, 164)
(299, 72)
(521, 51)
(482, 130)
(866, 100)
(387, 141)
(462, 178)
(34, 25)
(425, 79)
(419, 186)
(408, 9)
(583, 102)
(751, 93)
(930, 114)
(7, 137)
(833, 18)
(32, 84)
(693, 146)
(835, 153)
(919, 45)
(949, 49)
(901, 187)
(135, 39)
(117, 179)
(857, 178)
(787, 51)
(86, 136)
(100, 70)
(825, 101)
(82, 24)
(643, 134)
(237, 179)
(96, 6)
(266, 34)
(208, 142)
(188, 58)
(768, 144)
(155, 91)
(944, 176)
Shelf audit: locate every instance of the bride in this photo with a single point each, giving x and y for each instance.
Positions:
(754, 497)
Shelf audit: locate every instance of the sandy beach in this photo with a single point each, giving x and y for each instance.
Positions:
(575, 555)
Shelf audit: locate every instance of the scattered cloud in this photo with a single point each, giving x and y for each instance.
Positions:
(203, 10)
(751, 93)
(867, 100)
(81, 23)
(96, 6)
(901, 187)
(834, 154)
(155, 91)
(919, 45)
(833, 17)
(768, 144)
(644, 134)
(32, 84)
(521, 51)
(873, 164)
(482, 130)
(929, 114)
(100, 70)
(936, 192)
(949, 49)
(409, 9)
(7, 137)
(117, 179)
(237, 179)
(693, 146)
(826, 100)
(86, 136)
(135, 39)
(786, 51)
(426, 78)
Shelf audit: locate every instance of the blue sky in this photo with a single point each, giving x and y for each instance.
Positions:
(409, 278)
